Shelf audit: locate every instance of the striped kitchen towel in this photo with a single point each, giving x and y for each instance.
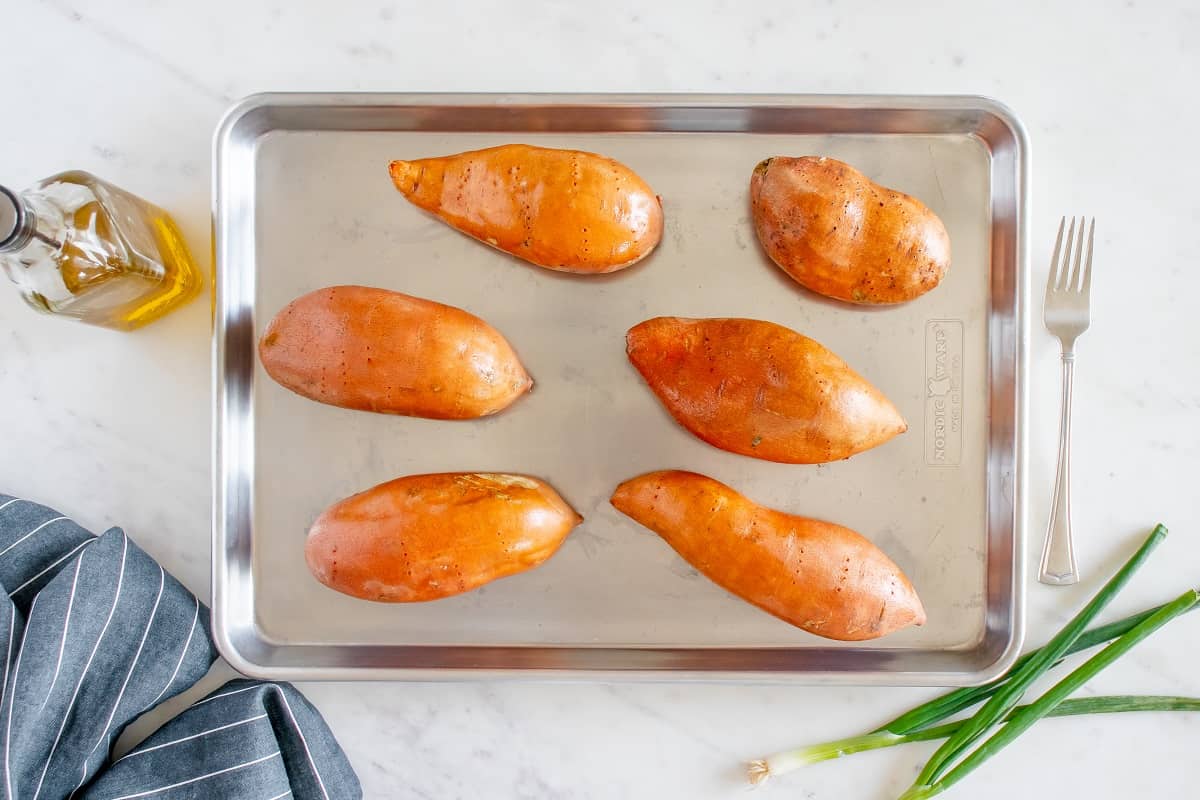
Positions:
(95, 633)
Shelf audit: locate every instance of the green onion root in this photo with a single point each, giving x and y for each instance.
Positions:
(782, 763)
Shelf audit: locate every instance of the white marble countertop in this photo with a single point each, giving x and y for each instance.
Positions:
(114, 428)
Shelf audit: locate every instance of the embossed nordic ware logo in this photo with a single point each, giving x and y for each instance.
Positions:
(943, 392)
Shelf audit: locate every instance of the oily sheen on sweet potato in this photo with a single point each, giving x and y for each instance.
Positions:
(564, 210)
(760, 389)
(840, 234)
(424, 537)
(818, 576)
(377, 350)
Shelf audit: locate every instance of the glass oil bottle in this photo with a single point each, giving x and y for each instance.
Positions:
(80, 247)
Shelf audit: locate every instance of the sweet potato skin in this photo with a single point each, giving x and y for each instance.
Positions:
(821, 577)
(424, 537)
(760, 389)
(377, 350)
(840, 234)
(565, 210)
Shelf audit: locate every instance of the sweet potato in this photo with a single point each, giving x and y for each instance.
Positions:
(818, 576)
(561, 209)
(760, 389)
(839, 234)
(423, 537)
(376, 350)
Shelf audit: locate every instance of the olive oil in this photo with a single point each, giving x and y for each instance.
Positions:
(80, 247)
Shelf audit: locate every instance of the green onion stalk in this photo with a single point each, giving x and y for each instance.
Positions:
(1020, 721)
(1009, 694)
(785, 762)
(961, 699)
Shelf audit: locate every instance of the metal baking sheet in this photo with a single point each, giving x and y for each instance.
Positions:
(303, 200)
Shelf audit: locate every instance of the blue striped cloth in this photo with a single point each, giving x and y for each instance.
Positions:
(95, 634)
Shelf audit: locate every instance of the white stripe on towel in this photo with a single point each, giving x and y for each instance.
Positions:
(62, 645)
(162, 579)
(226, 694)
(197, 778)
(303, 741)
(72, 552)
(182, 653)
(79, 684)
(31, 533)
(193, 736)
(12, 698)
(12, 624)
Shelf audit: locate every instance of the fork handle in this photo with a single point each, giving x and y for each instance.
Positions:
(1058, 554)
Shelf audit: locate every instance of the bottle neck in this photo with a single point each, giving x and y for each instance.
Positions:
(17, 221)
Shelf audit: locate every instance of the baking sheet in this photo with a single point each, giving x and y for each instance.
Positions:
(304, 201)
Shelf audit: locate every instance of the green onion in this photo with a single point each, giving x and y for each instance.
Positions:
(781, 763)
(951, 703)
(1021, 721)
(1010, 693)
(914, 725)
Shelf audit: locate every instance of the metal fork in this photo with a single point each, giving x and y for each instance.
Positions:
(1066, 315)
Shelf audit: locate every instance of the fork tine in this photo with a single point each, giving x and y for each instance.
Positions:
(1071, 259)
(1064, 266)
(1087, 270)
(1077, 262)
(1050, 279)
